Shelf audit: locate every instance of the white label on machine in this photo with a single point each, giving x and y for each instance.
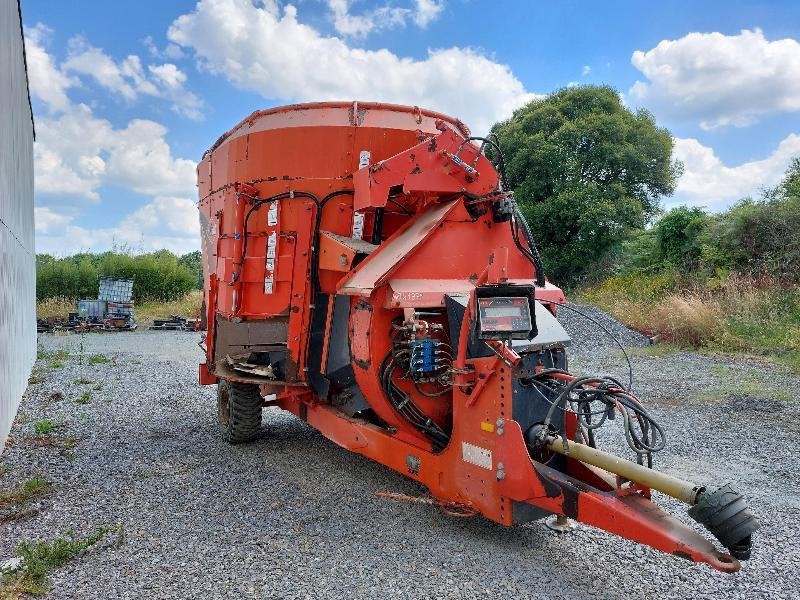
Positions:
(358, 225)
(363, 159)
(268, 281)
(475, 455)
(272, 214)
(272, 241)
(270, 264)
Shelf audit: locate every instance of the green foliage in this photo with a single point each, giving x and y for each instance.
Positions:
(586, 171)
(678, 237)
(84, 398)
(158, 276)
(39, 558)
(44, 427)
(98, 359)
(33, 488)
(193, 261)
(757, 238)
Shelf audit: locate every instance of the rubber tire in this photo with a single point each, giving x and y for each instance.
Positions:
(239, 408)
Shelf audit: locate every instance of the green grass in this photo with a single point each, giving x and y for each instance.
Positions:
(82, 381)
(55, 364)
(60, 354)
(84, 398)
(24, 493)
(734, 315)
(98, 359)
(729, 382)
(39, 558)
(44, 427)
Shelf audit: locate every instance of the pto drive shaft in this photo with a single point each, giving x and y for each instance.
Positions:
(723, 511)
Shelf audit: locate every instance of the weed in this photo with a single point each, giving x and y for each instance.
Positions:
(44, 427)
(55, 364)
(84, 398)
(24, 493)
(39, 558)
(730, 314)
(52, 355)
(98, 359)
(82, 381)
(35, 378)
(97, 387)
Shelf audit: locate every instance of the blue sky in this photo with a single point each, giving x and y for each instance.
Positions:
(128, 96)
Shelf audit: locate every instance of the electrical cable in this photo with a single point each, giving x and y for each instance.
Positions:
(604, 328)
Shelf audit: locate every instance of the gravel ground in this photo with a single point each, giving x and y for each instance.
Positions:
(294, 516)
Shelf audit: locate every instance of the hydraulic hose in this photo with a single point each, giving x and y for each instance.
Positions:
(520, 221)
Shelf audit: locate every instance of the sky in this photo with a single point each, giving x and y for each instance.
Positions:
(128, 96)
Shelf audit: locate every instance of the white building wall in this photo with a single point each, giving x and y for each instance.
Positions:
(17, 253)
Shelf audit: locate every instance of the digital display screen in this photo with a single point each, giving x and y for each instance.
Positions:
(502, 316)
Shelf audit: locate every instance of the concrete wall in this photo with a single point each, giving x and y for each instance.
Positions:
(17, 254)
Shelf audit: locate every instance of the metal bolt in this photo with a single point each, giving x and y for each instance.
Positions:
(501, 474)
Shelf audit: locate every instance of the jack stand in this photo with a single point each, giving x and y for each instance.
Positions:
(560, 523)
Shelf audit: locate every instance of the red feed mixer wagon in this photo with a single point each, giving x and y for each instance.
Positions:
(367, 269)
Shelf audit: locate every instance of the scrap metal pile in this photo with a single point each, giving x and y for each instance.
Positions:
(113, 310)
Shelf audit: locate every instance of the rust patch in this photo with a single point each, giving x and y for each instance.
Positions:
(416, 170)
(432, 145)
(682, 554)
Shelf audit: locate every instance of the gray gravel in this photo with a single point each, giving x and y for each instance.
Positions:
(294, 516)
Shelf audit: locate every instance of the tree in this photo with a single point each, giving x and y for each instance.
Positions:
(679, 237)
(585, 170)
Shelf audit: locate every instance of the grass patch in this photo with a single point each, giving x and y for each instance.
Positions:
(84, 398)
(731, 315)
(55, 364)
(44, 427)
(146, 312)
(55, 307)
(60, 354)
(39, 558)
(730, 382)
(98, 359)
(36, 377)
(188, 306)
(24, 493)
(82, 381)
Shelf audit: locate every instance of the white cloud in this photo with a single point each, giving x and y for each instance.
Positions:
(129, 79)
(718, 79)
(48, 83)
(171, 51)
(383, 17)
(707, 181)
(49, 221)
(77, 153)
(427, 11)
(586, 71)
(262, 49)
(165, 222)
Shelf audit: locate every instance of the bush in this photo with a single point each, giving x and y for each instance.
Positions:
(157, 276)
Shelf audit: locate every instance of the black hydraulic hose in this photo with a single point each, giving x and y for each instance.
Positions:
(536, 259)
(259, 202)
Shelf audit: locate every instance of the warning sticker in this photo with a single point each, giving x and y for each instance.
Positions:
(475, 455)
